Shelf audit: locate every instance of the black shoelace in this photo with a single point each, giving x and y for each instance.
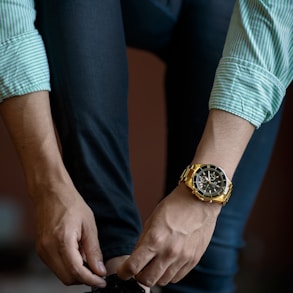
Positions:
(116, 285)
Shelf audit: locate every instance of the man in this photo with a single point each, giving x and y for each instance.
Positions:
(84, 200)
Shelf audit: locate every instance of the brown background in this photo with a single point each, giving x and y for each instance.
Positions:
(267, 259)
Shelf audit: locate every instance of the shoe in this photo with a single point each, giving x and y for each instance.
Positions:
(116, 285)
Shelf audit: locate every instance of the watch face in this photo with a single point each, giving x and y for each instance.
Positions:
(210, 181)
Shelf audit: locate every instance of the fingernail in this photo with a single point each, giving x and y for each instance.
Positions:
(101, 267)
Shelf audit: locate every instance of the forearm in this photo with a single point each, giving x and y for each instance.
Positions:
(224, 140)
(29, 122)
(64, 222)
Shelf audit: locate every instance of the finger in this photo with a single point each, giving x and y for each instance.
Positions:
(48, 252)
(171, 274)
(182, 273)
(135, 263)
(74, 264)
(55, 263)
(152, 272)
(163, 268)
(160, 270)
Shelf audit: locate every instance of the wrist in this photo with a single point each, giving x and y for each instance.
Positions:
(46, 176)
(193, 203)
(224, 140)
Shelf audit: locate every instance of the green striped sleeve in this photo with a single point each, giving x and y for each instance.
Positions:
(23, 61)
(257, 63)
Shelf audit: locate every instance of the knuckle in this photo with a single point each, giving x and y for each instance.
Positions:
(156, 240)
(171, 252)
(187, 256)
(149, 283)
(133, 268)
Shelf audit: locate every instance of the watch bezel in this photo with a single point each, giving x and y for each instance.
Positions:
(210, 190)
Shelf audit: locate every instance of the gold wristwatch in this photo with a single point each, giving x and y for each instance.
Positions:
(207, 182)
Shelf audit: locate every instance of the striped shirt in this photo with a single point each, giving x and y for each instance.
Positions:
(23, 61)
(257, 63)
(251, 80)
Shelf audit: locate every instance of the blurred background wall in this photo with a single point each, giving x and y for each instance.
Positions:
(266, 262)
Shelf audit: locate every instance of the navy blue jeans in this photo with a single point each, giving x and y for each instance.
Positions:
(86, 43)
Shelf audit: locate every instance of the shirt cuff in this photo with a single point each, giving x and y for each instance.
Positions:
(23, 66)
(246, 90)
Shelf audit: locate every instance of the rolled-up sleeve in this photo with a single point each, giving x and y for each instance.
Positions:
(257, 63)
(23, 61)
